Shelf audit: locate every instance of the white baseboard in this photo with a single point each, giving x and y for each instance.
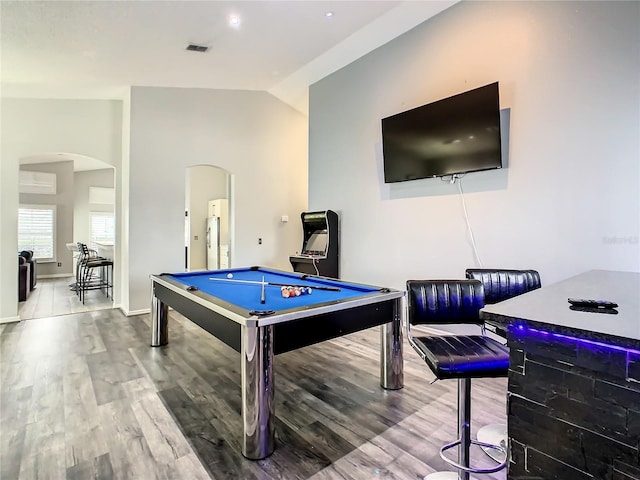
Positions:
(55, 275)
(132, 313)
(9, 319)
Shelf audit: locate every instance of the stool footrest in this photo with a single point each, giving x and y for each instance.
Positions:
(471, 469)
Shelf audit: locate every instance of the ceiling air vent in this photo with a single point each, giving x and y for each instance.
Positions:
(197, 48)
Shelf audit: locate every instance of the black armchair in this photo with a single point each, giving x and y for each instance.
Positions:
(33, 278)
(24, 283)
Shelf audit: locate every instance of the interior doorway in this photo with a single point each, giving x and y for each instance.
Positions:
(208, 218)
(80, 192)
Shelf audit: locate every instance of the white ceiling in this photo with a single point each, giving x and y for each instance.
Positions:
(97, 49)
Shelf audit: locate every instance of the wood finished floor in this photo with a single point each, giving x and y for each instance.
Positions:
(83, 396)
(52, 296)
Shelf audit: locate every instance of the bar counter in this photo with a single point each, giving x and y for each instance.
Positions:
(574, 379)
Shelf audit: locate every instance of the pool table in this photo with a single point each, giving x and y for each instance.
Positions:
(232, 310)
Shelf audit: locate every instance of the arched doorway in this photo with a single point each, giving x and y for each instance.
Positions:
(80, 193)
(208, 218)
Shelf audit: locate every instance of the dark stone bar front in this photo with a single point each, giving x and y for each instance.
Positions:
(574, 380)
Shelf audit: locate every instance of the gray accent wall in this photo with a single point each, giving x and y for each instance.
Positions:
(569, 75)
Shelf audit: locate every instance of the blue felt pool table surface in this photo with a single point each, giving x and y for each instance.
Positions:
(247, 296)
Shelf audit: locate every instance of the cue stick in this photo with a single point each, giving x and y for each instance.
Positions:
(253, 282)
(262, 296)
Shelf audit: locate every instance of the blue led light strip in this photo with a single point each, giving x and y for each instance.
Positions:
(543, 333)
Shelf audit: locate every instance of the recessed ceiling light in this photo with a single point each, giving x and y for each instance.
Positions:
(328, 14)
(234, 21)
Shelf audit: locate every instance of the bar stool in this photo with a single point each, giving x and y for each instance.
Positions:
(442, 302)
(86, 278)
(500, 284)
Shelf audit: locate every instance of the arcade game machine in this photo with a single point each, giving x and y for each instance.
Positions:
(319, 254)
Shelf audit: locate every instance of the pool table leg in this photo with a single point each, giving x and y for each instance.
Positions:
(159, 322)
(391, 362)
(257, 392)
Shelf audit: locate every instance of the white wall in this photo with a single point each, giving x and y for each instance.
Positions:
(151, 137)
(34, 126)
(255, 137)
(570, 74)
(123, 197)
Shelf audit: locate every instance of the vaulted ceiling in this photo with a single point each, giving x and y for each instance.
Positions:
(97, 49)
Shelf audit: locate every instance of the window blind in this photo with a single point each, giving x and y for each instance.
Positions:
(36, 231)
(102, 228)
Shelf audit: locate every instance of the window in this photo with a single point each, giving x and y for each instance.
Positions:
(102, 228)
(37, 231)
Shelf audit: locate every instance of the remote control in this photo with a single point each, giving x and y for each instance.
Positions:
(610, 311)
(582, 302)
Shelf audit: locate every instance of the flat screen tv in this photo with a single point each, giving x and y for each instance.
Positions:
(455, 135)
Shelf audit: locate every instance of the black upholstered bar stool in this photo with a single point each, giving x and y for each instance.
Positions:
(441, 302)
(500, 284)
